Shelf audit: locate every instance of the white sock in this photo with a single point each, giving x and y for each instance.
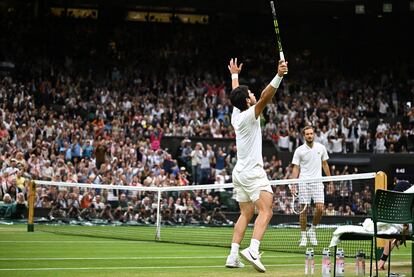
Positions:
(254, 245)
(303, 233)
(234, 249)
(313, 227)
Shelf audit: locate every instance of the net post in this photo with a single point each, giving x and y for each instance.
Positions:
(31, 204)
(380, 183)
(158, 231)
(380, 180)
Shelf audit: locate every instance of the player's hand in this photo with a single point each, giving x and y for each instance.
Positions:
(233, 67)
(282, 68)
(293, 189)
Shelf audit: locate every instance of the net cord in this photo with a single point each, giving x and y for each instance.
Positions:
(349, 177)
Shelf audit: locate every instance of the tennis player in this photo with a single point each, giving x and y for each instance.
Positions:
(251, 186)
(309, 159)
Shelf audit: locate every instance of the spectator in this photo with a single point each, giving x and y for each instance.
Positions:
(330, 210)
(196, 156)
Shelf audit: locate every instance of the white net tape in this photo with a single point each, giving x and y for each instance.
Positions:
(336, 178)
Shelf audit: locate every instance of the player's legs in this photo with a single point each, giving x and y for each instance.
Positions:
(319, 199)
(254, 186)
(264, 207)
(384, 256)
(304, 199)
(303, 218)
(246, 214)
(318, 213)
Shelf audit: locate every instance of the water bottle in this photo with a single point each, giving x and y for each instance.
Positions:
(360, 263)
(340, 262)
(326, 262)
(309, 262)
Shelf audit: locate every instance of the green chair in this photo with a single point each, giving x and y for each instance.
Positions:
(392, 207)
(388, 207)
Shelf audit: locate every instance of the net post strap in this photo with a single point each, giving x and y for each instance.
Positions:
(158, 232)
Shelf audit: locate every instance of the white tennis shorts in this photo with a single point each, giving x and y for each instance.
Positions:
(249, 184)
(308, 191)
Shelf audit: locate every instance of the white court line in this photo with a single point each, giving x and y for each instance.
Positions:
(129, 267)
(146, 267)
(79, 241)
(130, 258)
(143, 258)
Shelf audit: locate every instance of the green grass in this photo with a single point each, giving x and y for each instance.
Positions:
(49, 254)
(276, 239)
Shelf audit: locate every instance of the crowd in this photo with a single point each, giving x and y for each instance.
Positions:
(69, 114)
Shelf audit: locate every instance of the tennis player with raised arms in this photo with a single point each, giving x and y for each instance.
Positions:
(251, 187)
(309, 159)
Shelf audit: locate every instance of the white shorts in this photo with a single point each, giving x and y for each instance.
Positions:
(308, 191)
(249, 184)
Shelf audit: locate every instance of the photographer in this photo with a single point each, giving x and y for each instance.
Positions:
(106, 213)
(89, 213)
(57, 211)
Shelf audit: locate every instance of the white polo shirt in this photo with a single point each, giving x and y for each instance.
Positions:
(310, 159)
(248, 138)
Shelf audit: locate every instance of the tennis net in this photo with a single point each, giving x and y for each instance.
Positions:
(202, 215)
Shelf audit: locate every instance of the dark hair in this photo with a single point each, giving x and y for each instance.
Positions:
(238, 97)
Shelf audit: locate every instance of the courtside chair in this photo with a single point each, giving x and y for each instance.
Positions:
(388, 207)
(397, 208)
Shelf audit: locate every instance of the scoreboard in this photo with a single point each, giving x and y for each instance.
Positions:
(403, 172)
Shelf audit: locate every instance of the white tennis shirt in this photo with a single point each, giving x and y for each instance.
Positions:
(248, 139)
(310, 160)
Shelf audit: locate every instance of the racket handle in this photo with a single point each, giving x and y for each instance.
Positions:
(282, 57)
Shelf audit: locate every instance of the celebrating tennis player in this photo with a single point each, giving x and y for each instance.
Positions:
(251, 186)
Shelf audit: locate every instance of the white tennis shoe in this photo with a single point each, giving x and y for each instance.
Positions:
(233, 261)
(253, 259)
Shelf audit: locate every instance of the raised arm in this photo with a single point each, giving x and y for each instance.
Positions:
(234, 71)
(270, 90)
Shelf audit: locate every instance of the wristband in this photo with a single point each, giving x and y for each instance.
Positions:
(234, 76)
(276, 81)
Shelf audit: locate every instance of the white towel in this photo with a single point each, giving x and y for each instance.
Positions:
(366, 228)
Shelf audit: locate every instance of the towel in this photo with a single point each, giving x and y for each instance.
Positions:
(366, 228)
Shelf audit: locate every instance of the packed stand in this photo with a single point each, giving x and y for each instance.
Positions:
(73, 116)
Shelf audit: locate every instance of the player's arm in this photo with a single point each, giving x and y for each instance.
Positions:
(325, 165)
(295, 174)
(234, 71)
(326, 168)
(295, 170)
(268, 93)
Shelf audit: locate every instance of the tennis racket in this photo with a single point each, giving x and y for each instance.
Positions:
(278, 39)
(295, 200)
